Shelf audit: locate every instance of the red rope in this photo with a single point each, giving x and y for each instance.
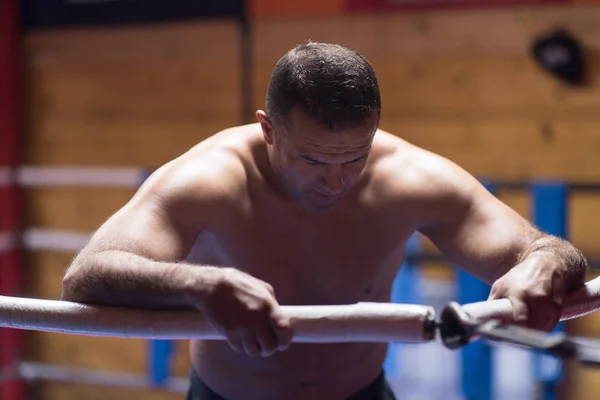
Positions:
(11, 279)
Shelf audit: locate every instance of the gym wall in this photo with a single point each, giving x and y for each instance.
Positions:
(458, 82)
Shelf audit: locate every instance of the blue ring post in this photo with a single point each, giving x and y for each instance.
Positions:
(405, 290)
(550, 208)
(160, 355)
(476, 357)
(159, 351)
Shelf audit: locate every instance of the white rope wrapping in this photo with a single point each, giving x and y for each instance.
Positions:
(360, 322)
(577, 304)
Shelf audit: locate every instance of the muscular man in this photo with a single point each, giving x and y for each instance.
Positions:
(311, 205)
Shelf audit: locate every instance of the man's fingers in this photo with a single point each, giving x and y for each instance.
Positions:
(492, 295)
(235, 342)
(282, 329)
(270, 289)
(558, 294)
(520, 311)
(553, 319)
(250, 344)
(496, 293)
(558, 289)
(267, 342)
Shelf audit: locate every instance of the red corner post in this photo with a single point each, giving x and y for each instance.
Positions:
(11, 280)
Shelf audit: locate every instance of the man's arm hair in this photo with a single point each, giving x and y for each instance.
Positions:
(571, 258)
(121, 278)
(137, 257)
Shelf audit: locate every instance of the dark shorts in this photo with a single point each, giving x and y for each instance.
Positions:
(379, 389)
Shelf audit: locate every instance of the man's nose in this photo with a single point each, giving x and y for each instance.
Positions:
(334, 179)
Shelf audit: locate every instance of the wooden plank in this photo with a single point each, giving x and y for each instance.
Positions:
(113, 144)
(260, 9)
(134, 45)
(180, 361)
(510, 149)
(81, 209)
(518, 200)
(139, 94)
(430, 34)
(584, 222)
(102, 353)
(45, 273)
(476, 87)
(166, 90)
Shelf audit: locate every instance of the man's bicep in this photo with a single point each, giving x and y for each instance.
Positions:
(144, 229)
(159, 222)
(483, 235)
(175, 204)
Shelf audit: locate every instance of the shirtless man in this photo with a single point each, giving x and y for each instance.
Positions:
(311, 205)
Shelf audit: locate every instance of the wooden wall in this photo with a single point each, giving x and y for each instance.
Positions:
(131, 97)
(460, 83)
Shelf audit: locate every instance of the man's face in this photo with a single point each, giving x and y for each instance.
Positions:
(317, 165)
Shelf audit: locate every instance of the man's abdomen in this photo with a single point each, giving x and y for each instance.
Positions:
(304, 371)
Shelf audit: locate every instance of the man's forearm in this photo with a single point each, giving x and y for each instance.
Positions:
(123, 279)
(569, 256)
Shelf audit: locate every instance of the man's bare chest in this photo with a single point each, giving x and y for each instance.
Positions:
(341, 260)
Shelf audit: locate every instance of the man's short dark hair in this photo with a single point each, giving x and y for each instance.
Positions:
(332, 84)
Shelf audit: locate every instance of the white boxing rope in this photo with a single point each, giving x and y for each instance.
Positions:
(37, 239)
(74, 176)
(54, 239)
(56, 177)
(32, 371)
(360, 322)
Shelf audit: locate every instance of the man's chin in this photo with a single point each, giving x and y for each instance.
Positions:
(320, 207)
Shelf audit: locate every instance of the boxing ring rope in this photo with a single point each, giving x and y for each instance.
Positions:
(345, 323)
(361, 322)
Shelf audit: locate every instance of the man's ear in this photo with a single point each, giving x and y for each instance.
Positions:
(267, 127)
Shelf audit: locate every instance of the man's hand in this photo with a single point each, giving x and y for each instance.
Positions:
(536, 289)
(244, 309)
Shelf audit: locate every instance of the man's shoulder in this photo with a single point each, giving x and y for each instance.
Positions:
(214, 168)
(237, 140)
(225, 154)
(398, 157)
(411, 169)
(420, 185)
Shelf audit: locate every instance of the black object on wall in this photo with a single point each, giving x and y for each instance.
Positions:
(560, 54)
